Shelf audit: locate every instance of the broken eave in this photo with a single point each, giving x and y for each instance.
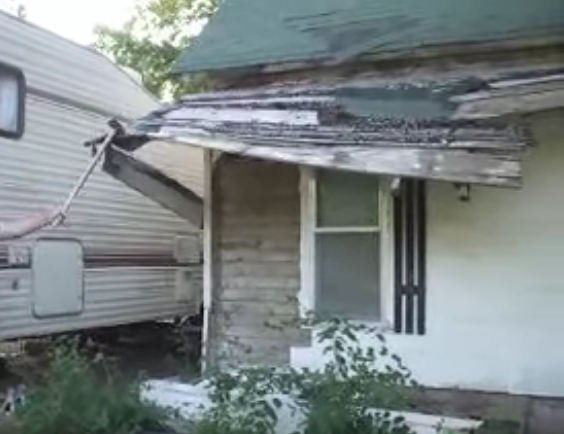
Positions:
(152, 183)
(427, 163)
(462, 131)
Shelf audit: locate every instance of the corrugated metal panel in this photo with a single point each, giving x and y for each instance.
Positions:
(73, 91)
(112, 297)
(60, 67)
(38, 171)
(41, 169)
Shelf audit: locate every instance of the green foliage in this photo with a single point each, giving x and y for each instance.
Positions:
(73, 399)
(242, 402)
(338, 400)
(356, 380)
(152, 39)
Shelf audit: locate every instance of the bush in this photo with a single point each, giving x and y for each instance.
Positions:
(75, 399)
(341, 399)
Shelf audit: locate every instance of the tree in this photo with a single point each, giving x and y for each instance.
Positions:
(153, 38)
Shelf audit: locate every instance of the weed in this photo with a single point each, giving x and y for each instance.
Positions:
(74, 398)
(341, 399)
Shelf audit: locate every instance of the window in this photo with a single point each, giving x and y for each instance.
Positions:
(345, 238)
(364, 248)
(12, 101)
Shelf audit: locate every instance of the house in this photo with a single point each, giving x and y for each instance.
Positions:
(393, 162)
(119, 258)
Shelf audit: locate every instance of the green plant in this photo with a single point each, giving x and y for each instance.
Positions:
(357, 380)
(153, 38)
(75, 398)
(352, 395)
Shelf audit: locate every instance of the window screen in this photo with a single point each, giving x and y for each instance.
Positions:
(346, 199)
(12, 100)
(347, 245)
(348, 275)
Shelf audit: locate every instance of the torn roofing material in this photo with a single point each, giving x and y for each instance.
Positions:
(295, 31)
(419, 129)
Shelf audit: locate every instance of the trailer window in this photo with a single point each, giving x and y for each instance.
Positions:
(12, 101)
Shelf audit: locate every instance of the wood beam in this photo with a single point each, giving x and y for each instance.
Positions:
(455, 166)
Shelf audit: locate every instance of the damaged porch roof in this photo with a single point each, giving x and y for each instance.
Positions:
(247, 33)
(462, 130)
(453, 130)
(457, 121)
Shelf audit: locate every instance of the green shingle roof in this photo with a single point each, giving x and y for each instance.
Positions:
(258, 32)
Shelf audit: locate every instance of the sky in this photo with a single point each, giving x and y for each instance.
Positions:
(76, 19)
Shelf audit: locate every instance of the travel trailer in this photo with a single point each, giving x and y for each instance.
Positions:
(119, 257)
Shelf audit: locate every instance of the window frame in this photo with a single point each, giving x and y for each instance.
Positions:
(22, 93)
(309, 230)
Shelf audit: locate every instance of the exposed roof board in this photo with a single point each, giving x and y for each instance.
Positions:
(464, 130)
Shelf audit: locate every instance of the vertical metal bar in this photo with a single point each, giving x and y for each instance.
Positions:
(208, 251)
(410, 254)
(421, 255)
(86, 174)
(398, 259)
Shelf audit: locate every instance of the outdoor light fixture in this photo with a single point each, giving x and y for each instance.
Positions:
(396, 186)
(463, 192)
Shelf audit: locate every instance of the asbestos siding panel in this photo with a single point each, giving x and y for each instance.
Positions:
(59, 67)
(112, 297)
(256, 273)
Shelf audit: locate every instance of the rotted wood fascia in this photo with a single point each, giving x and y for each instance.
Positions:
(455, 166)
(482, 60)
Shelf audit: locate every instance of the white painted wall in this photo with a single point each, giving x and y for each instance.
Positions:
(495, 312)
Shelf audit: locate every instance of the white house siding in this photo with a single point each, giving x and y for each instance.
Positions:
(256, 268)
(495, 311)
